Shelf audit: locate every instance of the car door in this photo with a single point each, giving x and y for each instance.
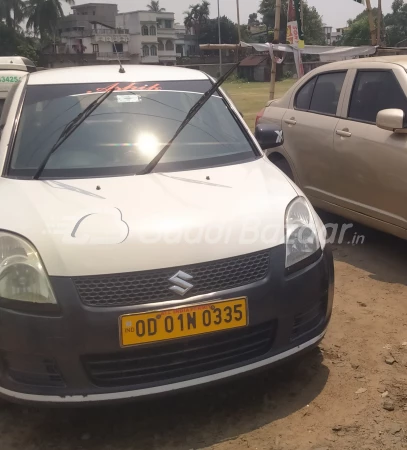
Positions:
(370, 175)
(309, 128)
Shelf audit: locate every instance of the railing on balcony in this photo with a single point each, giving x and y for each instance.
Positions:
(106, 56)
(109, 31)
(171, 53)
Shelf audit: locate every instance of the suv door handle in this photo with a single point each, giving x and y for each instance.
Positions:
(291, 121)
(344, 133)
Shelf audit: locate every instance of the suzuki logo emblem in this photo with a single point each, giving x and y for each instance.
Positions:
(181, 285)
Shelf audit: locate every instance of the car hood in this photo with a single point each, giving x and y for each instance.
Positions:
(125, 224)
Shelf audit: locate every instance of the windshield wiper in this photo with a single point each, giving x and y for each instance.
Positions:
(70, 128)
(190, 115)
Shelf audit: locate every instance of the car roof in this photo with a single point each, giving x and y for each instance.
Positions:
(365, 62)
(15, 63)
(110, 74)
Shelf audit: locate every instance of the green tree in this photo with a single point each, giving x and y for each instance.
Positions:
(313, 26)
(253, 19)
(43, 16)
(13, 42)
(358, 30)
(396, 23)
(196, 17)
(12, 12)
(155, 6)
(228, 31)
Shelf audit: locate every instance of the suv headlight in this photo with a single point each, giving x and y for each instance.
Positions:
(22, 274)
(301, 236)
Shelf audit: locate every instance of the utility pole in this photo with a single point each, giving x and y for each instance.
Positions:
(220, 41)
(239, 33)
(379, 23)
(276, 39)
(371, 23)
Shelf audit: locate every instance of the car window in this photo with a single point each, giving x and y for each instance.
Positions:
(126, 131)
(374, 91)
(326, 93)
(304, 95)
(6, 105)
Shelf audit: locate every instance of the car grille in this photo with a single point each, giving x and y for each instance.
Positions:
(152, 286)
(181, 357)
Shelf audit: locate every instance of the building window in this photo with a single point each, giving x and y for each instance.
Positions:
(95, 48)
(153, 30)
(160, 45)
(153, 50)
(168, 24)
(118, 48)
(169, 45)
(180, 50)
(146, 50)
(144, 30)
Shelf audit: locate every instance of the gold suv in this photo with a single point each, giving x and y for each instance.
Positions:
(345, 139)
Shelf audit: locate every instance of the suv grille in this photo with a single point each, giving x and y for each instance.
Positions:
(183, 357)
(152, 286)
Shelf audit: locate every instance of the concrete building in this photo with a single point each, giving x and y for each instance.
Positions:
(185, 41)
(95, 33)
(90, 30)
(336, 35)
(83, 15)
(328, 34)
(152, 36)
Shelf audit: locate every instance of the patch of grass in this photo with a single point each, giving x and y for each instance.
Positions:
(250, 98)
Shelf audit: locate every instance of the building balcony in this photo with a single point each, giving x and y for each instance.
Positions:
(111, 56)
(167, 54)
(149, 60)
(167, 33)
(109, 31)
(110, 38)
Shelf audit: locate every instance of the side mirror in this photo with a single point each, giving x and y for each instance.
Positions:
(269, 135)
(391, 120)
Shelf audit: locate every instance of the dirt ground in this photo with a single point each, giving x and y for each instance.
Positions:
(333, 398)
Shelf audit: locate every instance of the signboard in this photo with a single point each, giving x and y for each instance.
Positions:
(295, 35)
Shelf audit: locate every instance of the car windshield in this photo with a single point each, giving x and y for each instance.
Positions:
(126, 131)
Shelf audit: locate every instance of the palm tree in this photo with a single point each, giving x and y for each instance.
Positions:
(43, 15)
(197, 16)
(154, 6)
(12, 12)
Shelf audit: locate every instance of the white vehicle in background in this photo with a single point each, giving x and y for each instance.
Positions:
(12, 68)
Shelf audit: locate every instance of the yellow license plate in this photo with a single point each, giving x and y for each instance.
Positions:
(181, 322)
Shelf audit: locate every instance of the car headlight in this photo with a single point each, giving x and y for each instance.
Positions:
(22, 274)
(301, 235)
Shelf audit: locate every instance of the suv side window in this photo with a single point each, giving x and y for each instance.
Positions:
(327, 92)
(374, 91)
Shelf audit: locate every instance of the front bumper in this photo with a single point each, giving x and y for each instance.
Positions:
(45, 358)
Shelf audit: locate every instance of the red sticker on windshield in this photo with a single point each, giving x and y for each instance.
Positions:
(129, 87)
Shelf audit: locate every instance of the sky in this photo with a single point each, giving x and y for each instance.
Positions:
(333, 14)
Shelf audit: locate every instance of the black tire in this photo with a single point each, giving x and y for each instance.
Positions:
(283, 165)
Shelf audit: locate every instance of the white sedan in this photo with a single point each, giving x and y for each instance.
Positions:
(147, 244)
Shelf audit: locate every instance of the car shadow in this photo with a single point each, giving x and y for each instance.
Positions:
(383, 256)
(184, 421)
